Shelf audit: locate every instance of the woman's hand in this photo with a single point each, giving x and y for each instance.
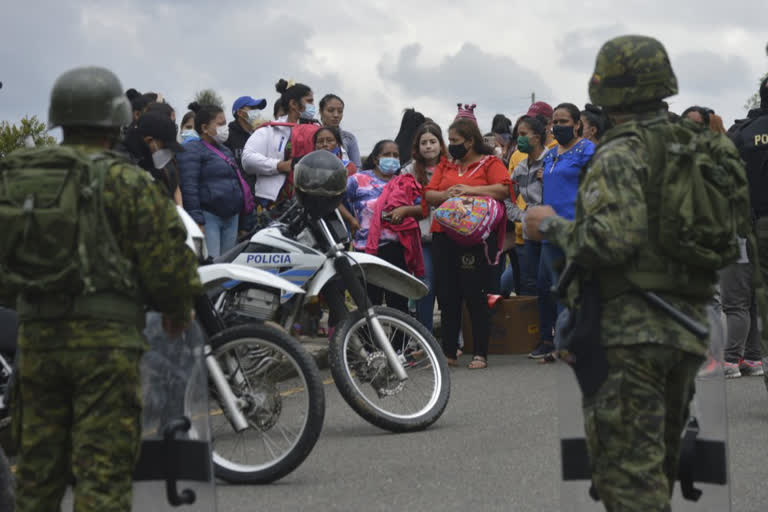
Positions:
(460, 190)
(285, 166)
(540, 174)
(354, 225)
(397, 215)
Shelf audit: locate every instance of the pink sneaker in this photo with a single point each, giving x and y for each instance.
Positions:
(751, 368)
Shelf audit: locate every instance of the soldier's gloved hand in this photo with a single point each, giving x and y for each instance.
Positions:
(173, 328)
(532, 219)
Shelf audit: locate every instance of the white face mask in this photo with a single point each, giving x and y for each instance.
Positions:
(222, 134)
(161, 157)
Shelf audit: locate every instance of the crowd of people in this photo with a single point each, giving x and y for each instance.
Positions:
(234, 176)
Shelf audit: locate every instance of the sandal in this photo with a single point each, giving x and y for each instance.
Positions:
(478, 363)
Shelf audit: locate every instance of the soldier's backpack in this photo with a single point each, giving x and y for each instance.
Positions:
(56, 246)
(697, 193)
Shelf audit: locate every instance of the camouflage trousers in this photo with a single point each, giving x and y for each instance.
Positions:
(634, 424)
(79, 424)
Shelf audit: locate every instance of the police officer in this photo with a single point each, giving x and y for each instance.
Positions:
(750, 136)
(635, 417)
(77, 413)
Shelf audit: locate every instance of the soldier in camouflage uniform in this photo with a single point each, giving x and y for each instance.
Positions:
(635, 418)
(78, 408)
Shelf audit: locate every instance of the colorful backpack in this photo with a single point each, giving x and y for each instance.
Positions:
(470, 220)
(301, 142)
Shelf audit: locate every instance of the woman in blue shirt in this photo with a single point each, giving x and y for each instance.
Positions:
(560, 182)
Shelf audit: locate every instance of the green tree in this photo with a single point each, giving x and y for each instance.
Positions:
(15, 136)
(209, 97)
(754, 100)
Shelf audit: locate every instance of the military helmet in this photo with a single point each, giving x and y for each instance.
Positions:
(631, 70)
(89, 96)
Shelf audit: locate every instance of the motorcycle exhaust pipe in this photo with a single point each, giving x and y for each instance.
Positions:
(228, 398)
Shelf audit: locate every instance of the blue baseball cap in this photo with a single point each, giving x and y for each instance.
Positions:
(247, 101)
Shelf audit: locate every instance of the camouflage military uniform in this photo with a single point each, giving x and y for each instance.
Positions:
(79, 386)
(635, 419)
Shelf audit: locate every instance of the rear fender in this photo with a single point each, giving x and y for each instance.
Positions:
(377, 272)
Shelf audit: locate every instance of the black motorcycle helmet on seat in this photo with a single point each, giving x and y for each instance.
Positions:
(321, 181)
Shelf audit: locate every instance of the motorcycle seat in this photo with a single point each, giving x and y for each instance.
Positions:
(9, 329)
(230, 255)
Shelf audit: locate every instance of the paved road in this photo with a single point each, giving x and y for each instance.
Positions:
(494, 449)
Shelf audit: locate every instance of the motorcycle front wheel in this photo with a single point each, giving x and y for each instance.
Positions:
(280, 392)
(365, 380)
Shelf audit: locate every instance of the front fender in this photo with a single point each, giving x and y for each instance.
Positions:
(377, 272)
(220, 273)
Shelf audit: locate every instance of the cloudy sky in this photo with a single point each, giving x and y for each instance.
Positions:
(380, 56)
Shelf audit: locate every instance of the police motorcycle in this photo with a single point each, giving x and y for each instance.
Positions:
(244, 403)
(386, 365)
(267, 402)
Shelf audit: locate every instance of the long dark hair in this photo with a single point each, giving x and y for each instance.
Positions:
(408, 126)
(419, 164)
(468, 129)
(370, 163)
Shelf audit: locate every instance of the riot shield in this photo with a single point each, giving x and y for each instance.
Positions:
(703, 471)
(174, 471)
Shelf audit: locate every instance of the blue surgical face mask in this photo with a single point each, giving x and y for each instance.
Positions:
(189, 134)
(309, 111)
(389, 165)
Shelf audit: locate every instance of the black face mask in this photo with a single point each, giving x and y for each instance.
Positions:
(457, 151)
(563, 134)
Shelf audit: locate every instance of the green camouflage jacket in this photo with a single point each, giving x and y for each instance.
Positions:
(610, 233)
(150, 234)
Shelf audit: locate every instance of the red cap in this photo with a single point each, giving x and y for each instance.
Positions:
(541, 108)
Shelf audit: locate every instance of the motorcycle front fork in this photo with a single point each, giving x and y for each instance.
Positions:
(229, 401)
(360, 297)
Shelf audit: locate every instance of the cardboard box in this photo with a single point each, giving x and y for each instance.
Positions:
(514, 327)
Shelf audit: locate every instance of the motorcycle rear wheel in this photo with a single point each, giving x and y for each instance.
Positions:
(281, 394)
(369, 386)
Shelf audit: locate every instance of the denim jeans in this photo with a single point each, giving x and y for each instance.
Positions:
(425, 306)
(548, 276)
(220, 233)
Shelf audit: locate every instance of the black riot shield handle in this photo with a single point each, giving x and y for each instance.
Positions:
(187, 496)
(687, 465)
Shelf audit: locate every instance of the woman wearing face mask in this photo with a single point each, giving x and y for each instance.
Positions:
(264, 155)
(363, 190)
(465, 274)
(560, 182)
(331, 114)
(209, 181)
(187, 131)
(527, 176)
(329, 139)
(428, 150)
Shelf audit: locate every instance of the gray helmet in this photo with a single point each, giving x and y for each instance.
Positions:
(89, 96)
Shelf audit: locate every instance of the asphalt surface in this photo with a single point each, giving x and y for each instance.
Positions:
(494, 449)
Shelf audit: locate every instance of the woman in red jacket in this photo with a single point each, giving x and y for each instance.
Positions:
(463, 273)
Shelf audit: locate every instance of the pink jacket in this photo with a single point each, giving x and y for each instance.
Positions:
(402, 190)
